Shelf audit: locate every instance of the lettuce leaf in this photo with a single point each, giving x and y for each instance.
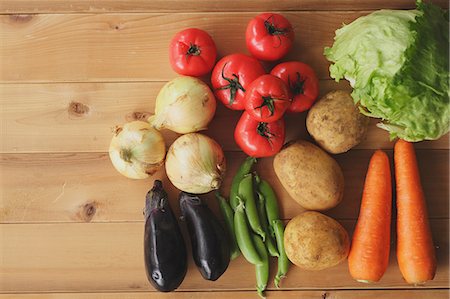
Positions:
(397, 63)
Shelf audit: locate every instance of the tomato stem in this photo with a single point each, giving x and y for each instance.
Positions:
(297, 85)
(193, 50)
(263, 131)
(267, 102)
(273, 29)
(234, 85)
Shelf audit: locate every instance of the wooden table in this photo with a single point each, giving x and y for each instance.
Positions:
(72, 227)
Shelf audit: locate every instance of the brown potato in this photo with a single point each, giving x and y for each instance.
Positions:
(335, 122)
(309, 175)
(314, 241)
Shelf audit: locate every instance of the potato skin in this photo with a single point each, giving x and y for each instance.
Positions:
(314, 241)
(310, 176)
(335, 122)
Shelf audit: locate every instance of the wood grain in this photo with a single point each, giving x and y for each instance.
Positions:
(78, 187)
(335, 294)
(72, 227)
(79, 117)
(108, 257)
(134, 47)
(76, 6)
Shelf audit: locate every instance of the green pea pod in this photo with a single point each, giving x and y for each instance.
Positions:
(244, 235)
(270, 202)
(269, 241)
(247, 195)
(228, 216)
(262, 269)
(245, 169)
(283, 261)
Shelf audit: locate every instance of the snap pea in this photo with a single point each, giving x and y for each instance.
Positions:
(245, 168)
(244, 235)
(283, 261)
(262, 269)
(270, 202)
(246, 193)
(228, 216)
(269, 242)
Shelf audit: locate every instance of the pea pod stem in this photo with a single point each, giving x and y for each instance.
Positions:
(262, 269)
(269, 242)
(244, 235)
(246, 193)
(245, 169)
(228, 217)
(283, 261)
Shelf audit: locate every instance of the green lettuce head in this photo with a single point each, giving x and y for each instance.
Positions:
(398, 65)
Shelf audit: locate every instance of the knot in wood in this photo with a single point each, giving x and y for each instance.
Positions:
(88, 211)
(78, 109)
(143, 116)
(118, 26)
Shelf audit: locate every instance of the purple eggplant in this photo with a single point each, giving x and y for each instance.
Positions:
(210, 247)
(164, 247)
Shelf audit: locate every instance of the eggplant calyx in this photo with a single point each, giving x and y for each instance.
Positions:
(156, 199)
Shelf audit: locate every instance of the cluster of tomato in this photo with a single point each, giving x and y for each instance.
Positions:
(240, 81)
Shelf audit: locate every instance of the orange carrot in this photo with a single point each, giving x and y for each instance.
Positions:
(369, 253)
(415, 250)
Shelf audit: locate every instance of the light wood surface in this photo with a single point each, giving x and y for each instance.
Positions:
(72, 227)
(79, 117)
(336, 294)
(76, 6)
(84, 187)
(133, 47)
(108, 257)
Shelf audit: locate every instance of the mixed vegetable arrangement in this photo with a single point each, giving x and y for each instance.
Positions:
(379, 54)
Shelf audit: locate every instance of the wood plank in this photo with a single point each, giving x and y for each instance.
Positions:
(77, 187)
(134, 47)
(108, 257)
(46, 117)
(335, 294)
(73, 6)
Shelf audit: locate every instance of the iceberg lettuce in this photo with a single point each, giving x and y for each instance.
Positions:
(397, 62)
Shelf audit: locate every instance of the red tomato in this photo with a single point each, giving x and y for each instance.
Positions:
(302, 82)
(267, 98)
(269, 36)
(232, 75)
(192, 52)
(259, 139)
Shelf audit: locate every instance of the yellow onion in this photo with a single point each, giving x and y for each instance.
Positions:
(137, 150)
(184, 105)
(195, 163)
